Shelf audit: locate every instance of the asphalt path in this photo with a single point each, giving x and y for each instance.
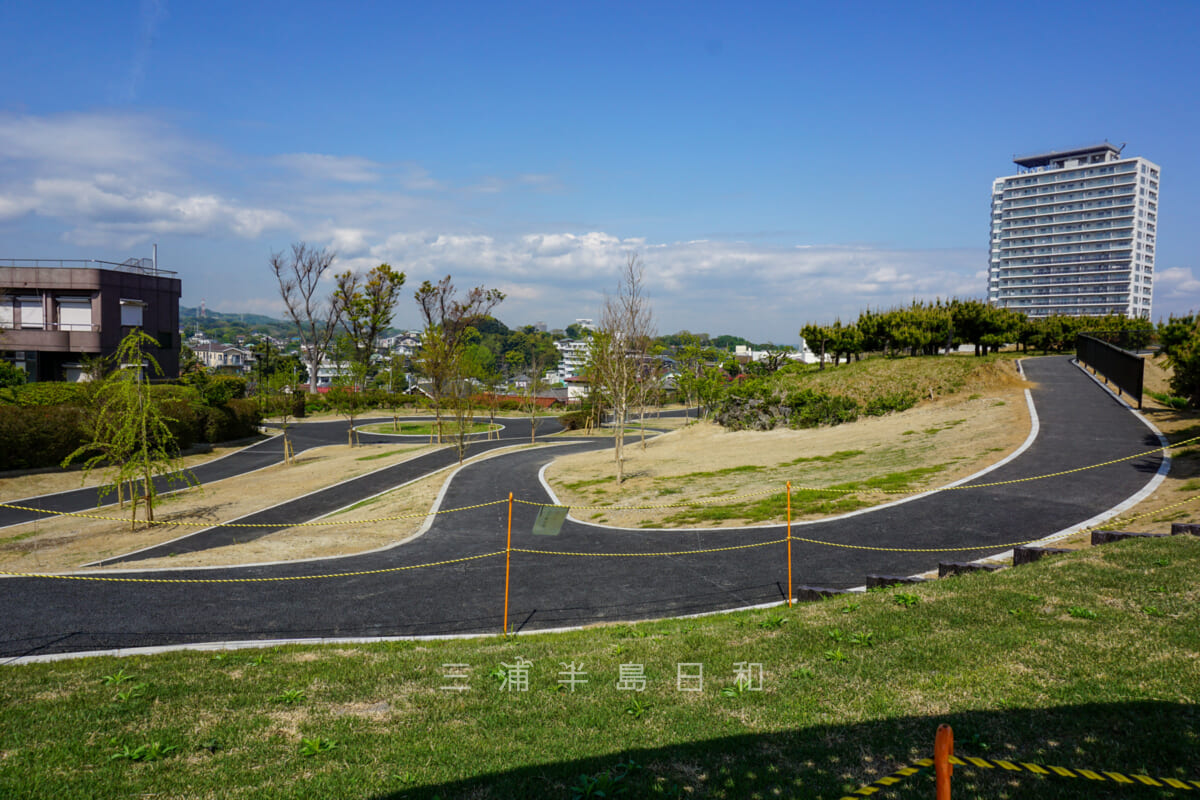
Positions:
(319, 503)
(1080, 425)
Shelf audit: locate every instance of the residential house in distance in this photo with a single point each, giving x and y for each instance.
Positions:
(214, 355)
(404, 344)
(54, 312)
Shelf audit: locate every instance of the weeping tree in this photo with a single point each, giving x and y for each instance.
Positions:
(131, 437)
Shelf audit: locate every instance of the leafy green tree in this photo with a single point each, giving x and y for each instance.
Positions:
(131, 438)
(818, 338)
(10, 376)
(368, 303)
(1176, 332)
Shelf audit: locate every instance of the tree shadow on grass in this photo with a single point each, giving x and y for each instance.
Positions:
(1156, 739)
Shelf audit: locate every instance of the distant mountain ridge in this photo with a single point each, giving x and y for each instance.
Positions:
(189, 314)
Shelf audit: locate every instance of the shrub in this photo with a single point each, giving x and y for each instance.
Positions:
(887, 403)
(223, 388)
(237, 419)
(10, 376)
(171, 391)
(54, 393)
(183, 421)
(810, 408)
(39, 436)
(575, 420)
(316, 403)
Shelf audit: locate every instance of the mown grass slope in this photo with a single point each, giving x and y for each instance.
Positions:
(1088, 660)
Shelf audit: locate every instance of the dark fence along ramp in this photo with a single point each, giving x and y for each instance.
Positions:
(1120, 367)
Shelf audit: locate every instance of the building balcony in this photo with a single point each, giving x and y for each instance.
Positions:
(86, 340)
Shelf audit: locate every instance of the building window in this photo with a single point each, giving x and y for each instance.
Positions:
(32, 314)
(131, 313)
(6, 313)
(74, 314)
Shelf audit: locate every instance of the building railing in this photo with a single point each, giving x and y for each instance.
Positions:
(141, 266)
(79, 327)
(1123, 368)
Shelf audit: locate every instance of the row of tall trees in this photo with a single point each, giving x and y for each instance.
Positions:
(927, 328)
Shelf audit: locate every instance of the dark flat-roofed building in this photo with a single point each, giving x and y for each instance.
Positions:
(55, 312)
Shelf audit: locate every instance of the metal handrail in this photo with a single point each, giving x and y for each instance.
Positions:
(133, 265)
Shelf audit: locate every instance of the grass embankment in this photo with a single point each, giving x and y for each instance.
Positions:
(1085, 661)
(924, 378)
(723, 477)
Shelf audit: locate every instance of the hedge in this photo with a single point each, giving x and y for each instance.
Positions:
(39, 436)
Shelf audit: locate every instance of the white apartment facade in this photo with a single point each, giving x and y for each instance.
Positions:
(1073, 233)
(572, 357)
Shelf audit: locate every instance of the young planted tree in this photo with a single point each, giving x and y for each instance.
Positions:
(346, 395)
(619, 348)
(368, 302)
(449, 331)
(299, 275)
(131, 438)
(280, 401)
(535, 373)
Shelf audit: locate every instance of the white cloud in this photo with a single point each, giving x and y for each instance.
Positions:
(318, 166)
(67, 144)
(107, 179)
(106, 208)
(760, 292)
(1176, 281)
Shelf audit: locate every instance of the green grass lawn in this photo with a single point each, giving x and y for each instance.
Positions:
(1090, 660)
(425, 428)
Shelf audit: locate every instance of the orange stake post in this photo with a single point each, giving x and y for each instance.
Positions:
(507, 559)
(943, 748)
(789, 534)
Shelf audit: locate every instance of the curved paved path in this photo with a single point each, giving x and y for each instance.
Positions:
(1080, 425)
(324, 501)
(304, 436)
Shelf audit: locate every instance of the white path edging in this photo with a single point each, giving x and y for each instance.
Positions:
(1163, 468)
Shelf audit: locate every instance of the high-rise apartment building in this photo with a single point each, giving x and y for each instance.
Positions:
(1073, 233)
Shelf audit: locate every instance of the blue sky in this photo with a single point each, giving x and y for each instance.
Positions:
(772, 163)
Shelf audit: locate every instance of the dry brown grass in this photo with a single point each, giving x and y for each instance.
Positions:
(64, 543)
(959, 434)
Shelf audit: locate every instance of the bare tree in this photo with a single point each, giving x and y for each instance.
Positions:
(299, 275)
(449, 330)
(619, 349)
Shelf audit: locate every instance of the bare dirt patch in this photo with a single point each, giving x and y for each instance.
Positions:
(929, 445)
(66, 542)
